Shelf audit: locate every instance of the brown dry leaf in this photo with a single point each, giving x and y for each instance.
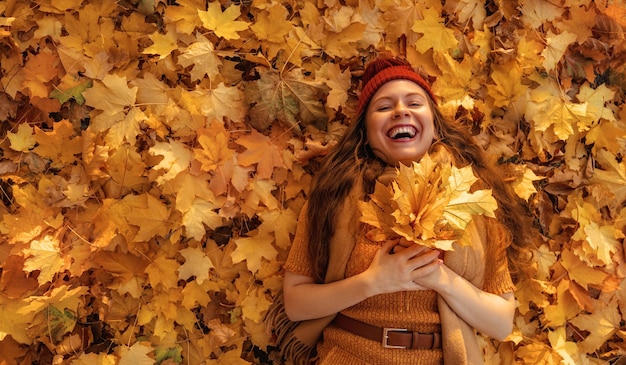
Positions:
(290, 99)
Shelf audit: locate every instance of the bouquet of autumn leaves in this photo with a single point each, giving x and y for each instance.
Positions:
(429, 202)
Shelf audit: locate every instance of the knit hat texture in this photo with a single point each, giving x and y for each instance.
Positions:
(383, 70)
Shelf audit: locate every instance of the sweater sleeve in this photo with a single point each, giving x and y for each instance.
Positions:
(298, 260)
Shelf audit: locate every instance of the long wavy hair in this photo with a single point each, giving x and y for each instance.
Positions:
(352, 161)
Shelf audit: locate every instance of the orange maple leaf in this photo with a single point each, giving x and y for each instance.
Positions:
(260, 151)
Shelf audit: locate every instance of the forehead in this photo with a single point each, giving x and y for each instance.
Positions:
(399, 87)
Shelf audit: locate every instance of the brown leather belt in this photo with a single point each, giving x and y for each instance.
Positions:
(399, 338)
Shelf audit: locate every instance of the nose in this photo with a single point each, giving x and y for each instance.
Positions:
(400, 110)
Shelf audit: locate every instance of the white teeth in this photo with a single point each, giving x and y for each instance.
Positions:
(402, 132)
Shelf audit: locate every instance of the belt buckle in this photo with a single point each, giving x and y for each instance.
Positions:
(386, 331)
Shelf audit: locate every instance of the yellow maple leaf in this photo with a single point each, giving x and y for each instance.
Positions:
(566, 349)
(536, 12)
(223, 24)
(523, 185)
(564, 308)
(556, 45)
(161, 272)
(253, 250)
(544, 258)
(581, 272)
(95, 359)
(196, 264)
(60, 145)
(163, 44)
(339, 83)
(185, 15)
(38, 71)
(44, 256)
(215, 149)
(508, 86)
(201, 54)
(201, 212)
(258, 196)
(435, 33)
(176, 158)
(112, 95)
(222, 102)
(137, 354)
(281, 222)
(149, 214)
(601, 325)
(272, 24)
(254, 305)
(549, 112)
(23, 140)
(260, 151)
(603, 241)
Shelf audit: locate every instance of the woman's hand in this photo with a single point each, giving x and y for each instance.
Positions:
(399, 264)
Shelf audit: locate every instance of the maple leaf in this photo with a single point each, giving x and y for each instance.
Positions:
(137, 354)
(508, 86)
(176, 158)
(220, 103)
(603, 323)
(272, 24)
(223, 24)
(215, 149)
(201, 212)
(566, 349)
(38, 71)
(435, 34)
(112, 95)
(202, 56)
(23, 140)
(253, 250)
(260, 151)
(59, 145)
(149, 214)
(44, 255)
(163, 44)
(523, 186)
(254, 305)
(160, 272)
(196, 264)
(580, 272)
(556, 45)
(259, 191)
(536, 12)
(339, 83)
(290, 99)
(282, 223)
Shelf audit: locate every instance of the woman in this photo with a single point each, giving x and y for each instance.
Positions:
(399, 303)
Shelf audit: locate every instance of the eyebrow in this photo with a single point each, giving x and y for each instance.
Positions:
(416, 93)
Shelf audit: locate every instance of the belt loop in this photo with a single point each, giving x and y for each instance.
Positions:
(436, 340)
(415, 342)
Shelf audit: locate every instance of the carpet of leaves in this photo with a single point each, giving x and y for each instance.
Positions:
(154, 155)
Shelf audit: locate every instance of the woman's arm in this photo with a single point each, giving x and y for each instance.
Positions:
(388, 272)
(491, 314)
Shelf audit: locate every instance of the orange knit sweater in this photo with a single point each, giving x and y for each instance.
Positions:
(416, 311)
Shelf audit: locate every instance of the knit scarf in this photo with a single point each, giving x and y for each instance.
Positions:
(296, 341)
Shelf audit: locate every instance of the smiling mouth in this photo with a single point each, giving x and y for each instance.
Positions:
(402, 132)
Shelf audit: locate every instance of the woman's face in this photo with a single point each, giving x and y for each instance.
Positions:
(399, 122)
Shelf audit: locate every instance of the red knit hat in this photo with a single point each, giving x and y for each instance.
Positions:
(383, 70)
